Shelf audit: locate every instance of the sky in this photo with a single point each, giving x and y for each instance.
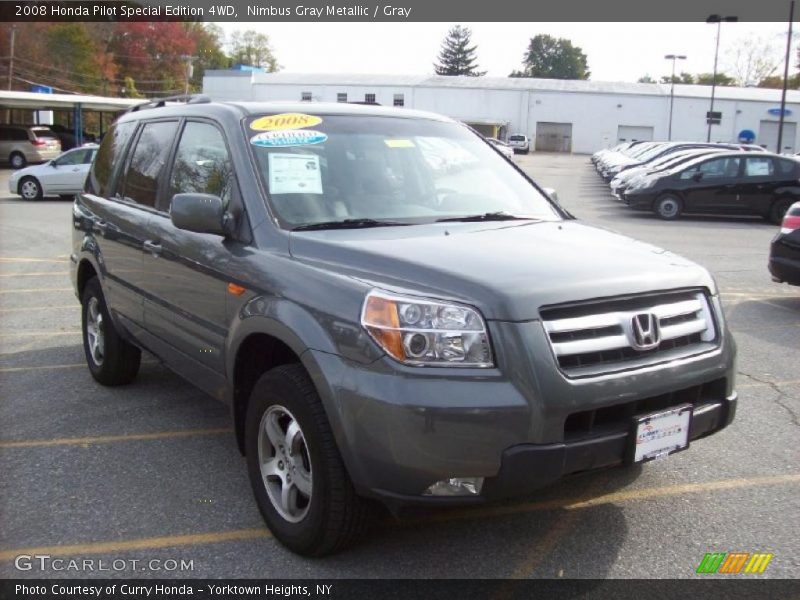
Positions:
(616, 51)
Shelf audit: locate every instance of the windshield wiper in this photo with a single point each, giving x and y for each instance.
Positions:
(489, 216)
(348, 224)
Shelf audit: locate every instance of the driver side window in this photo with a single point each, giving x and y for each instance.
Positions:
(202, 164)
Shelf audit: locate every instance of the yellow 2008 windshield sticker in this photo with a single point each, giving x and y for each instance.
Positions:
(284, 121)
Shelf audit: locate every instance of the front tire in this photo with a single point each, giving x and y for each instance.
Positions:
(668, 207)
(17, 160)
(30, 188)
(112, 360)
(299, 480)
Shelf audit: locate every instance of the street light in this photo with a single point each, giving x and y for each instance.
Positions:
(673, 58)
(718, 19)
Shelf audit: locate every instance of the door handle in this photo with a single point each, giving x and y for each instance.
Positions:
(152, 247)
(101, 226)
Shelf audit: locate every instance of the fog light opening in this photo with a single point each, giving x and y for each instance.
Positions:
(456, 486)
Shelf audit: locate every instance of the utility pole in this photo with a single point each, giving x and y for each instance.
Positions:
(673, 58)
(718, 20)
(11, 56)
(785, 79)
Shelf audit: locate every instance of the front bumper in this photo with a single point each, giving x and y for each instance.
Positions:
(784, 262)
(520, 426)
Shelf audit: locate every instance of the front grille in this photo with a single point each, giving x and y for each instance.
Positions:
(613, 419)
(603, 336)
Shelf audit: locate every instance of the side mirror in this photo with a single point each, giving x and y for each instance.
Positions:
(697, 176)
(53, 164)
(201, 213)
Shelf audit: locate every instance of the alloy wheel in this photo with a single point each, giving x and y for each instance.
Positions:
(95, 331)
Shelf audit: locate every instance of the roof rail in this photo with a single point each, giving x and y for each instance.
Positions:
(161, 102)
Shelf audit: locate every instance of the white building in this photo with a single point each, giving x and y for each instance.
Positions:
(558, 115)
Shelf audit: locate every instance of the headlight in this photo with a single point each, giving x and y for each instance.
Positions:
(423, 332)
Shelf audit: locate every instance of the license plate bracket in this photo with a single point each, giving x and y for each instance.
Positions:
(659, 434)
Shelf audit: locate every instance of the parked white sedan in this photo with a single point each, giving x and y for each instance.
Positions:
(63, 176)
(504, 148)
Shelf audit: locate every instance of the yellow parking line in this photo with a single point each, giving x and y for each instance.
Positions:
(259, 533)
(30, 333)
(106, 439)
(40, 368)
(140, 544)
(34, 290)
(22, 308)
(35, 274)
(9, 259)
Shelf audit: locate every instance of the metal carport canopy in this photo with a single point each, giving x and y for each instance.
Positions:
(75, 102)
(37, 101)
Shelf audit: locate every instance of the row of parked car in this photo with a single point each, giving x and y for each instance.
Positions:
(673, 178)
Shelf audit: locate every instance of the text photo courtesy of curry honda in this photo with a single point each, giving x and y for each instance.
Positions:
(508, 304)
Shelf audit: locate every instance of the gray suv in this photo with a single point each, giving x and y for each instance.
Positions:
(391, 309)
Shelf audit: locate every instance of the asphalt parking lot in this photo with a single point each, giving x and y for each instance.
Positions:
(151, 471)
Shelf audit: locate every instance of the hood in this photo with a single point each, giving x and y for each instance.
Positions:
(506, 269)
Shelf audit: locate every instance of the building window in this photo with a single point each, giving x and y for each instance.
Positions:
(399, 100)
(305, 96)
(341, 97)
(369, 98)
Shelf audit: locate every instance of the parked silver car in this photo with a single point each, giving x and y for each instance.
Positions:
(23, 144)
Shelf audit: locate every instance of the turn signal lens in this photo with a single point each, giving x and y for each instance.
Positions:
(423, 332)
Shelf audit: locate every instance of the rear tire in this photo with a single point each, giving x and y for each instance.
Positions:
(778, 210)
(324, 514)
(112, 360)
(17, 160)
(30, 188)
(668, 207)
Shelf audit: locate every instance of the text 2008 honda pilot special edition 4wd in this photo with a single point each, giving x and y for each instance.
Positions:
(390, 307)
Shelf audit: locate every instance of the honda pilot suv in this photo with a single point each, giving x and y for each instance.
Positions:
(391, 309)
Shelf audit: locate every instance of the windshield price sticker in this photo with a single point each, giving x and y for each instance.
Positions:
(285, 121)
(294, 174)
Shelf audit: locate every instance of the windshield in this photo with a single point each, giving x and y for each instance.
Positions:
(517, 138)
(325, 169)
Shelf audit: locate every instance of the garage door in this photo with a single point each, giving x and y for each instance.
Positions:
(768, 136)
(554, 137)
(634, 133)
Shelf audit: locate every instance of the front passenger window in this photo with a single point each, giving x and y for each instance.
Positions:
(202, 164)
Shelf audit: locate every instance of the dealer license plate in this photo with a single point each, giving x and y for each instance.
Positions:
(662, 433)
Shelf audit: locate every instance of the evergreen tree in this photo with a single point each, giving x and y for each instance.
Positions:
(457, 56)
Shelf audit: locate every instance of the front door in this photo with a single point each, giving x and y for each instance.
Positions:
(186, 288)
(711, 186)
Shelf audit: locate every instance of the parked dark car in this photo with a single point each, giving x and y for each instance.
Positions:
(739, 183)
(784, 253)
(390, 308)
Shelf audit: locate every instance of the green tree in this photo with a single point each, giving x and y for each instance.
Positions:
(209, 40)
(553, 58)
(708, 78)
(253, 49)
(776, 82)
(646, 79)
(684, 77)
(457, 56)
(72, 52)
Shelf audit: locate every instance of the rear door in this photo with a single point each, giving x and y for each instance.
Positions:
(118, 226)
(186, 284)
(759, 180)
(711, 186)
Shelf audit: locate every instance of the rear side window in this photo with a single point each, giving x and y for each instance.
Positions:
(108, 156)
(758, 167)
(19, 135)
(786, 167)
(202, 164)
(147, 162)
